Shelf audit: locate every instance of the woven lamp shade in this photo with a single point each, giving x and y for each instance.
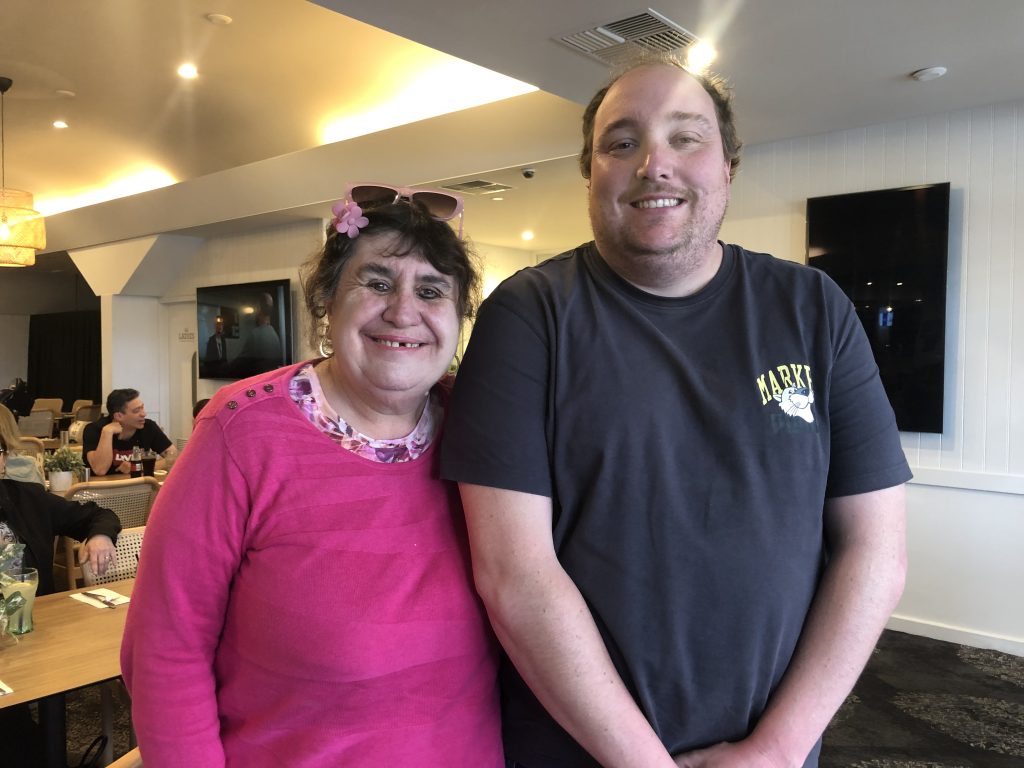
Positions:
(22, 229)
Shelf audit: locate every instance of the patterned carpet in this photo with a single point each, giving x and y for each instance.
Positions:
(928, 704)
(920, 703)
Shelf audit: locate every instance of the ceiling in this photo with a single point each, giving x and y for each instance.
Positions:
(272, 79)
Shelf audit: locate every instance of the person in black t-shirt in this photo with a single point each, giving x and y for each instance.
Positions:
(682, 480)
(108, 442)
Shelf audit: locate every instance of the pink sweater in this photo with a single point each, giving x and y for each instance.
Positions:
(297, 605)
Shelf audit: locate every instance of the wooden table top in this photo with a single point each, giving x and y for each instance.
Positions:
(73, 644)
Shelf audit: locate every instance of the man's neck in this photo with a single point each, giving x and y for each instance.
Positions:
(671, 276)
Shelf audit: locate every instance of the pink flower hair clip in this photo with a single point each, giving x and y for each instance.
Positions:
(348, 218)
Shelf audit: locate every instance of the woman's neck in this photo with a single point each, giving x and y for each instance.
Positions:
(374, 419)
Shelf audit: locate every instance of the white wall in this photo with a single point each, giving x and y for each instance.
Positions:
(268, 254)
(966, 504)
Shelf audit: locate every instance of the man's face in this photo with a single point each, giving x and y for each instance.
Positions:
(659, 181)
(133, 415)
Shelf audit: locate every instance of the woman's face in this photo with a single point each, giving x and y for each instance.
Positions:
(394, 325)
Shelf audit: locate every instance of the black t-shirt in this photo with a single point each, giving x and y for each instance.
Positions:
(150, 437)
(688, 446)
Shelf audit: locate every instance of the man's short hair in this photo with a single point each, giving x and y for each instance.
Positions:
(119, 398)
(717, 88)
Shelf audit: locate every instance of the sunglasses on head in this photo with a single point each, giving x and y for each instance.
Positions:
(441, 205)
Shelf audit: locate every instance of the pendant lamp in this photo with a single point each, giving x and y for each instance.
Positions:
(22, 230)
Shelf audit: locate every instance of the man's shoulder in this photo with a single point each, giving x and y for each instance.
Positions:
(758, 266)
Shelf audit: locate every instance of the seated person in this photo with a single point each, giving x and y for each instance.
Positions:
(108, 442)
(20, 464)
(31, 516)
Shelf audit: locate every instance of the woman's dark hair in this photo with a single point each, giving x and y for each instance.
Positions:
(416, 231)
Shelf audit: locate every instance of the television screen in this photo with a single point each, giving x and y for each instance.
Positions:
(244, 329)
(887, 250)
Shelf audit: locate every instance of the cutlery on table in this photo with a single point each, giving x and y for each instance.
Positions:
(101, 598)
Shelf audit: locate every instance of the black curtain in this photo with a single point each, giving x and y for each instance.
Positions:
(64, 356)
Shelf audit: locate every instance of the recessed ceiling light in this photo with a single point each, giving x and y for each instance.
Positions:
(220, 19)
(928, 73)
(188, 71)
(527, 234)
(60, 124)
(65, 93)
(700, 55)
(497, 199)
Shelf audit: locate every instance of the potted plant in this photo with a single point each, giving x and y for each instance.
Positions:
(60, 464)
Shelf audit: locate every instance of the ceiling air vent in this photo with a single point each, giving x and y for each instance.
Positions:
(619, 41)
(477, 187)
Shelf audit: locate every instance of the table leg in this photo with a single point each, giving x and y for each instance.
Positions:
(53, 719)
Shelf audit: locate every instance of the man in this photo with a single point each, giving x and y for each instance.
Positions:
(682, 478)
(216, 350)
(108, 442)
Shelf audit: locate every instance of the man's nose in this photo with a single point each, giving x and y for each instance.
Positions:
(655, 164)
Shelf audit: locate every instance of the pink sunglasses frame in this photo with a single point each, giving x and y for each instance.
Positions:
(409, 193)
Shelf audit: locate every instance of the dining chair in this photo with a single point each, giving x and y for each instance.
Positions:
(130, 500)
(37, 424)
(129, 547)
(88, 412)
(79, 404)
(54, 405)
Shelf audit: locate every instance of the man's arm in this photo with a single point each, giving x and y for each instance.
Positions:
(547, 630)
(862, 583)
(101, 458)
(167, 455)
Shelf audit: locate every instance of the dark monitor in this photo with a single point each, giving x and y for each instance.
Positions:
(887, 250)
(243, 329)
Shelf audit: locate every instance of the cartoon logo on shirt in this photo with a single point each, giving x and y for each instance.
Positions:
(789, 386)
(796, 401)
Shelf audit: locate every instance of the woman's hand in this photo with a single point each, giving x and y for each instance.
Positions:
(100, 552)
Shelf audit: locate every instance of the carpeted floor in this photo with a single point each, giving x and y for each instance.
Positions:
(919, 704)
(928, 704)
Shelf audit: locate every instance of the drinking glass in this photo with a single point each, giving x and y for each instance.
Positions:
(26, 581)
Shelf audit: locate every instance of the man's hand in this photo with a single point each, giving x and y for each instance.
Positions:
(113, 428)
(100, 553)
(740, 754)
(125, 468)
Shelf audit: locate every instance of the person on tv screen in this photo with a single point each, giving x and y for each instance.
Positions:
(108, 442)
(682, 478)
(216, 354)
(327, 616)
(261, 349)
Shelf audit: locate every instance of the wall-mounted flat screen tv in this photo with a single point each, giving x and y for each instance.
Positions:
(887, 250)
(244, 329)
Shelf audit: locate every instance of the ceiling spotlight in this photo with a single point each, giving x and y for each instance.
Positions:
(497, 199)
(60, 124)
(527, 235)
(65, 93)
(928, 73)
(220, 19)
(700, 55)
(188, 71)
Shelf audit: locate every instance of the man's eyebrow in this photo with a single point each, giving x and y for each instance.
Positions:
(678, 116)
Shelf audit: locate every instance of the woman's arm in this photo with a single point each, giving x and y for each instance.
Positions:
(192, 548)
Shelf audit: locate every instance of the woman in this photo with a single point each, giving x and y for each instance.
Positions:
(305, 597)
(31, 516)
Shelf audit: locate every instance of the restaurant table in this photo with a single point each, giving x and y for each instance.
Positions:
(73, 644)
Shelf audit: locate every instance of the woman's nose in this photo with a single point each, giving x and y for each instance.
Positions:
(401, 308)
